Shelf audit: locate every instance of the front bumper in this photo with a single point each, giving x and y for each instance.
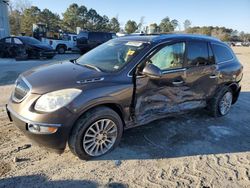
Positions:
(55, 142)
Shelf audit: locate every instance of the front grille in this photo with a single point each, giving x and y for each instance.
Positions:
(21, 90)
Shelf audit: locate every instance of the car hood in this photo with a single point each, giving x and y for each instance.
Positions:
(61, 75)
(42, 46)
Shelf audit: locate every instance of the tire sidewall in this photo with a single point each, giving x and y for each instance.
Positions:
(59, 50)
(223, 92)
(84, 125)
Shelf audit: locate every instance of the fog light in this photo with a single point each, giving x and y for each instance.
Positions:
(38, 129)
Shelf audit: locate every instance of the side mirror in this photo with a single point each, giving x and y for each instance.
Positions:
(152, 71)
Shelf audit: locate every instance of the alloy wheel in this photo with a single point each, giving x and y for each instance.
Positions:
(100, 137)
(225, 103)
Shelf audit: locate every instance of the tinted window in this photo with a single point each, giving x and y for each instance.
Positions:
(17, 41)
(96, 36)
(197, 53)
(221, 53)
(8, 40)
(169, 57)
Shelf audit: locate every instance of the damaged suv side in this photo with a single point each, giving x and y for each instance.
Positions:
(123, 83)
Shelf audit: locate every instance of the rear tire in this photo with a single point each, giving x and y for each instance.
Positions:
(61, 49)
(221, 104)
(92, 129)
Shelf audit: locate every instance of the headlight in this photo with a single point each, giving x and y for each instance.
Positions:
(57, 99)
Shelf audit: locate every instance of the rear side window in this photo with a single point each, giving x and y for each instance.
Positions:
(198, 53)
(221, 53)
(17, 41)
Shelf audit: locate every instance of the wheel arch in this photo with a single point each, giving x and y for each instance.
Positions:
(114, 106)
(61, 45)
(236, 88)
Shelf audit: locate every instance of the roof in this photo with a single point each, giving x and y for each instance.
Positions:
(165, 37)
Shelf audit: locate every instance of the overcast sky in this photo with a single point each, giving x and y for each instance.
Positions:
(233, 14)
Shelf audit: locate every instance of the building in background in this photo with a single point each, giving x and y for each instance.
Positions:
(4, 19)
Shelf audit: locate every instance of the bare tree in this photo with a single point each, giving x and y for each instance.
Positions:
(19, 5)
(141, 23)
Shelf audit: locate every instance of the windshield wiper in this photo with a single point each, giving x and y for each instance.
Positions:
(86, 65)
(92, 67)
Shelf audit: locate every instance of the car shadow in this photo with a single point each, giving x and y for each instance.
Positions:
(43, 181)
(191, 134)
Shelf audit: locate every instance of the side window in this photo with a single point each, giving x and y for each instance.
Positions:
(221, 53)
(198, 54)
(96, 37)
(17, 41)
(170, 56)
(8, 40)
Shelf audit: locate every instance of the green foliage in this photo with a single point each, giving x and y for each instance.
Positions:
(131, 26)
(166, 25)
(30, 15)
(15, 22)
(222, 33)
(114, 25)
(50, 19)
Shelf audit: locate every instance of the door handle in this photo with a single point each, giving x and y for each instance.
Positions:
(177, 82)
(213, 76)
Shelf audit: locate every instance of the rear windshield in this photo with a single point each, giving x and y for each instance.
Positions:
(112, 55)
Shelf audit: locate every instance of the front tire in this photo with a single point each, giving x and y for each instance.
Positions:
(221, 104)
(96, 133)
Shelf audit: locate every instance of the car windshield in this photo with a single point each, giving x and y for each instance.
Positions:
(112, 55)
(30, 40)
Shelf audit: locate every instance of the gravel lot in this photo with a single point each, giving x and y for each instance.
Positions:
(191, 150)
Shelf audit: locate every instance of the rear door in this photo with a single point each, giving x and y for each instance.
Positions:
(201, 71)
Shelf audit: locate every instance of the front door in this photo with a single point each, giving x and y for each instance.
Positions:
(157, 97)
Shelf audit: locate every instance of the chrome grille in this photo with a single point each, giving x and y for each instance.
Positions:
(21, 90)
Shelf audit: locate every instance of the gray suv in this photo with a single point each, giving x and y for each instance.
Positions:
(123, 83)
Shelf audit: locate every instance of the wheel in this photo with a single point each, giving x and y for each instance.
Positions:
(96, 133)
(61, 49)
(221, 104)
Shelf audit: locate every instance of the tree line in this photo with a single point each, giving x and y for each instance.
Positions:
(23, 16)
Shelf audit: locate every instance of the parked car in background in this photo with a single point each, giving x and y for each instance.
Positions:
(66, 43)
(88, 40)
(238, 44)
(247, 44)
(22, 47)
(123, 83)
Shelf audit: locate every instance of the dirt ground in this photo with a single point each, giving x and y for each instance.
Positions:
(192, 150)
